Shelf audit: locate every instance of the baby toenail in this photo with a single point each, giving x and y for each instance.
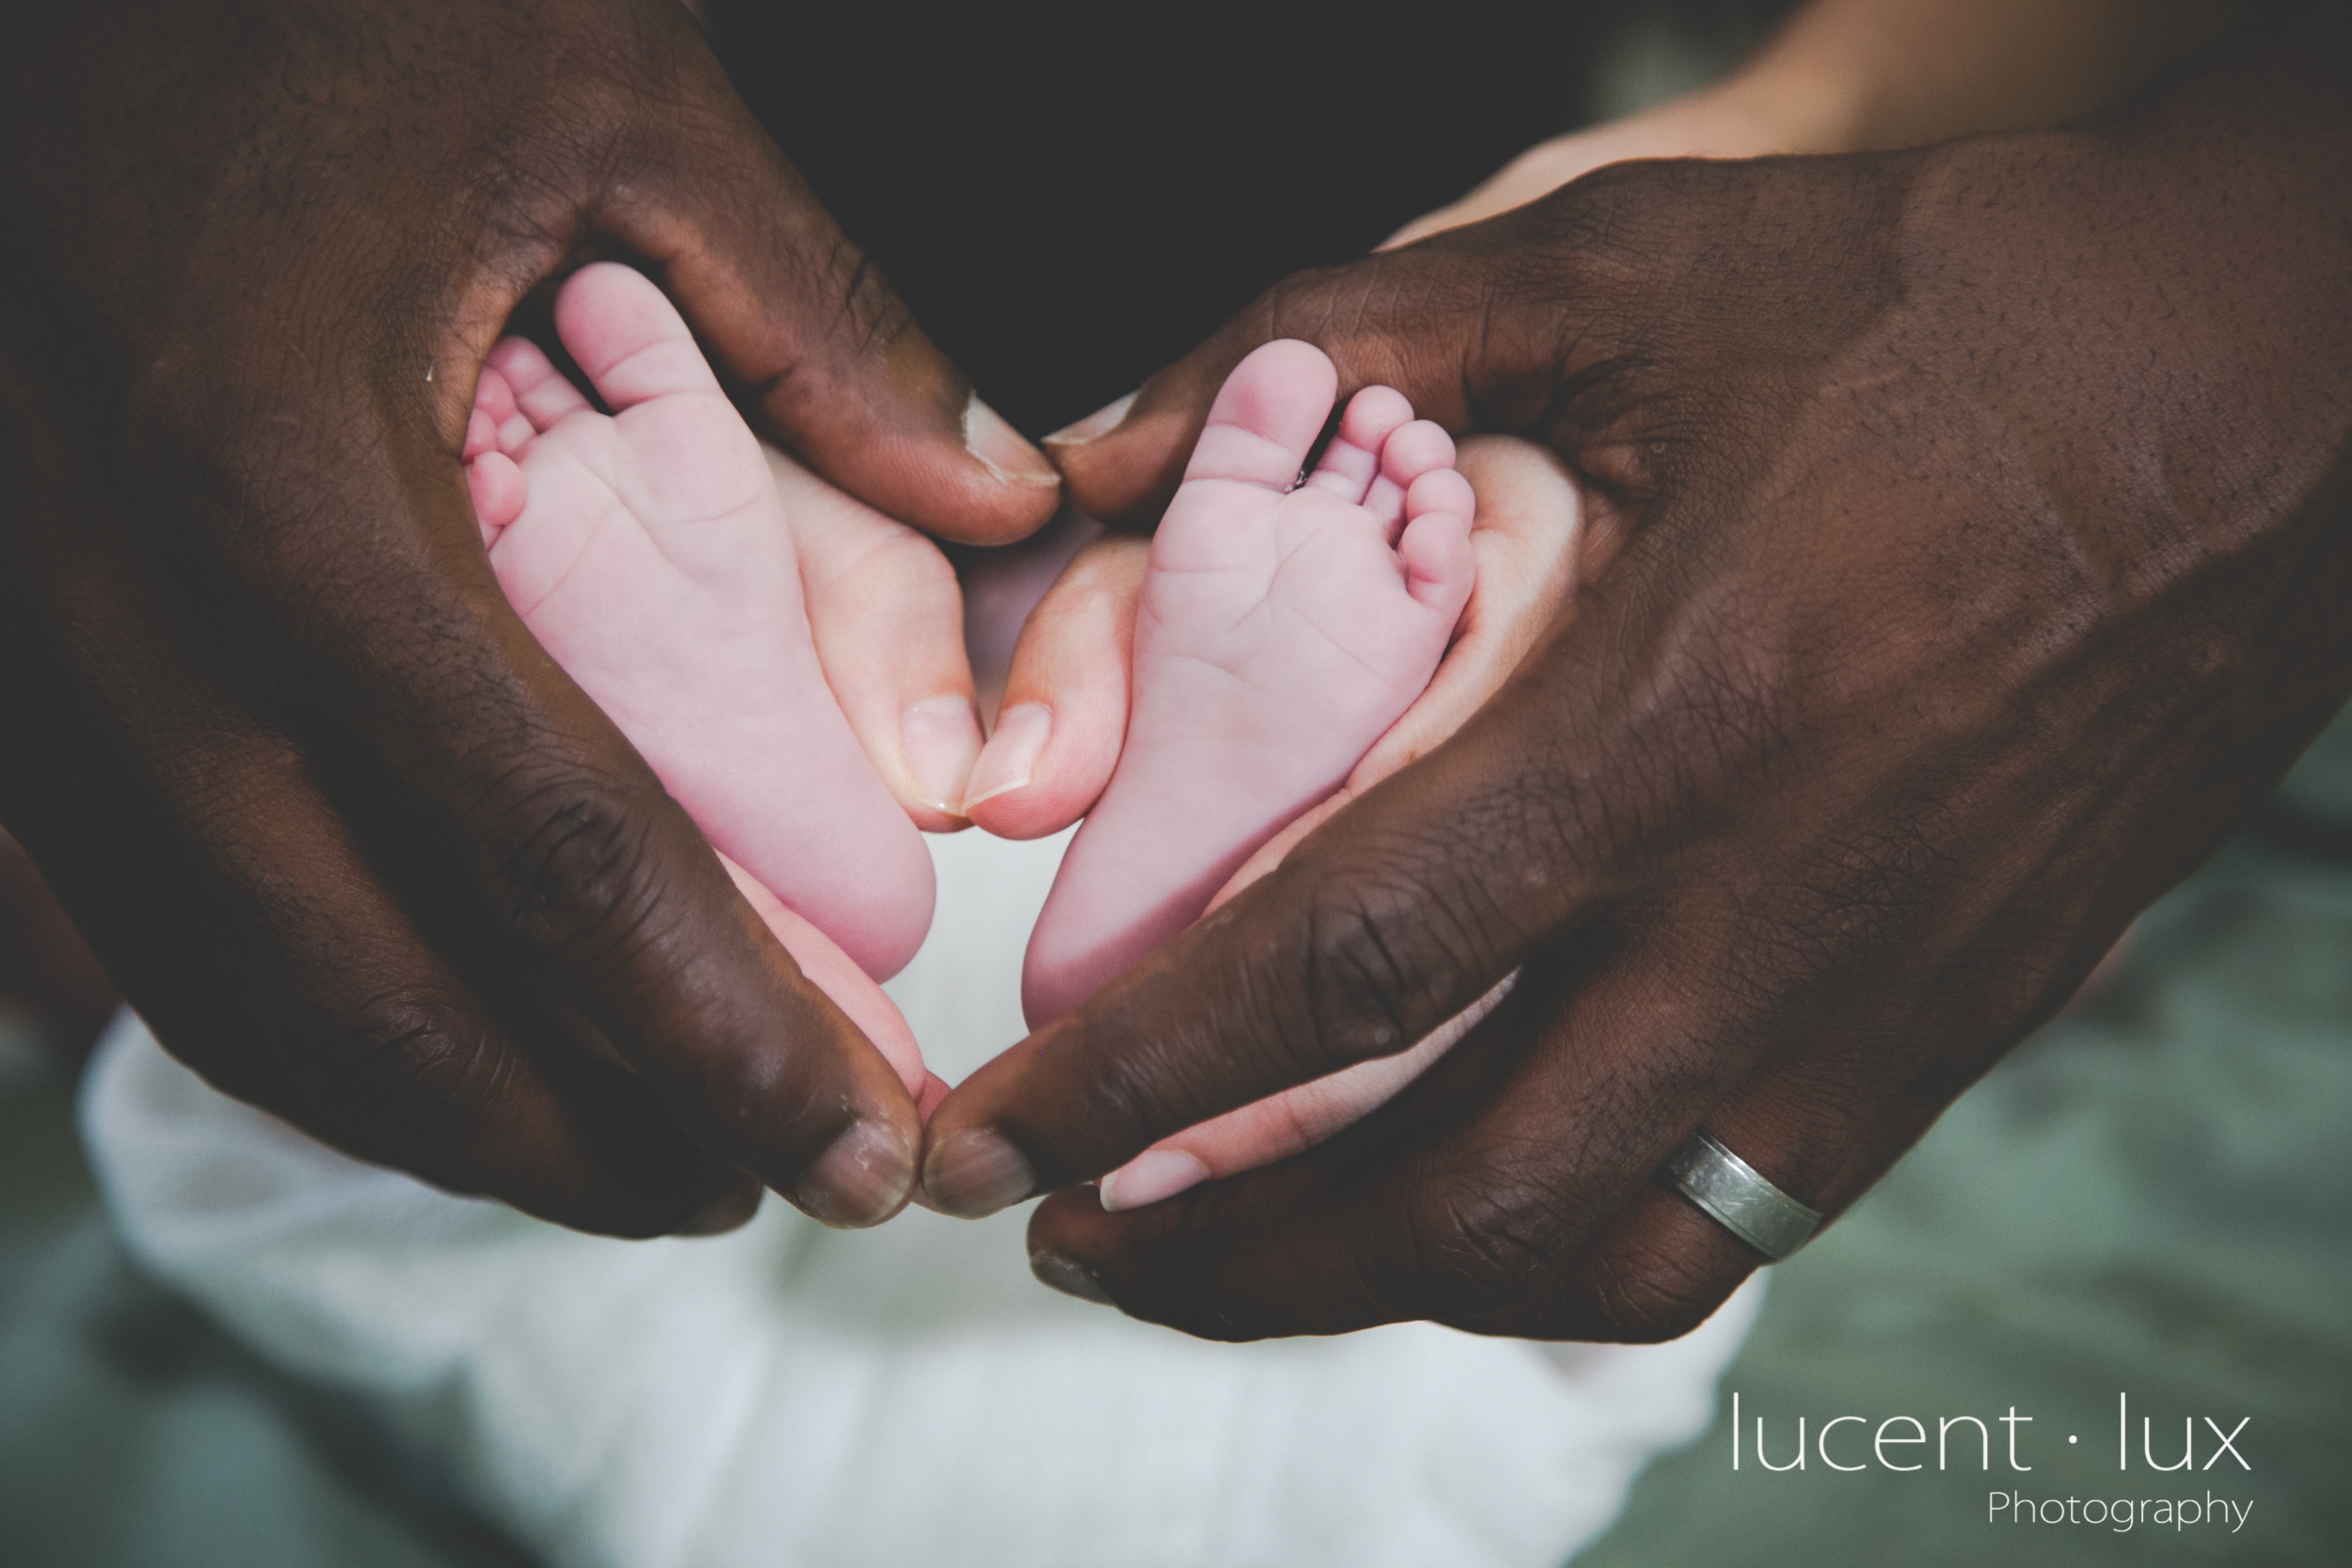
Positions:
(1100, 422)
(997, 444)
(1008, 762)
(941, 737)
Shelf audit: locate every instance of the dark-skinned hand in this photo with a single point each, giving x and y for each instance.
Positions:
(342, 832)
(1971, 544)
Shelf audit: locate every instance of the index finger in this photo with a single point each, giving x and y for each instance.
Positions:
(1411, 318)
(1412, 1213)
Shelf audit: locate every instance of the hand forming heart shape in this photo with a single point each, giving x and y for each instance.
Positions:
(1979, 558)
(651, 552)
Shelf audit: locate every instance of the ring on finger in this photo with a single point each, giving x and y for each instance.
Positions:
(1740, 1199)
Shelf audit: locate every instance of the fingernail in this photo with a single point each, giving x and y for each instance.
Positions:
(941, 737)
(728, 1213)
(1070, 1276)
(1151, 1176)
(1100, 422)
(976, 1173)
(1008, 761)
(988, 438)
(862, 1179)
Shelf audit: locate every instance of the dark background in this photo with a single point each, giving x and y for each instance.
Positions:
(1069, 196)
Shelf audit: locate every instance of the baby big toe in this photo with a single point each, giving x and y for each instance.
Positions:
(1266, 416)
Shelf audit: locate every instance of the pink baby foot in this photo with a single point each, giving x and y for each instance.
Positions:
(647, 551)
(1281, 631)
(852, 989)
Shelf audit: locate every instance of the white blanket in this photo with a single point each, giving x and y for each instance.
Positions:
(788, 1395)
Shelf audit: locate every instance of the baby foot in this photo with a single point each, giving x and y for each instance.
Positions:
(1281, 631)
(647, 551)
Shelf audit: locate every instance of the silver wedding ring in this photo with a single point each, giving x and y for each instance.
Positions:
(1744, 1202)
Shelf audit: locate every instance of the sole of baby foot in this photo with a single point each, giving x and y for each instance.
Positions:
(1283, 626)
(648, 551)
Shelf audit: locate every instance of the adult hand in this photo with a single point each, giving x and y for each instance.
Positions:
(351, 842)
(1970, 548)
(1070, 674)
(1837, 76)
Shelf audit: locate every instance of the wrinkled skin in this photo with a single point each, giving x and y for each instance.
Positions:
(351, 842)
(1971, 545)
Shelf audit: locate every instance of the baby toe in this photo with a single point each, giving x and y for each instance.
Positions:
(1420, 447)
(1435, 551)
(1352, 461)
(482, 432)
(541, 393)
(1266, 416)
(1440, 490)
(498, 490)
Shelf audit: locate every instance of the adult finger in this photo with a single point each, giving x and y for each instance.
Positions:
(796, 314)
(1063, 715)
(1843, 779)
(1287, 1123)
(1417, 1213)
(1408, 1215)
(1001, 585)
(888, 622)
(837, 974)
(1124, 464)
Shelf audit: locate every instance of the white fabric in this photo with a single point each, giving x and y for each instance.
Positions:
(788, 1395)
